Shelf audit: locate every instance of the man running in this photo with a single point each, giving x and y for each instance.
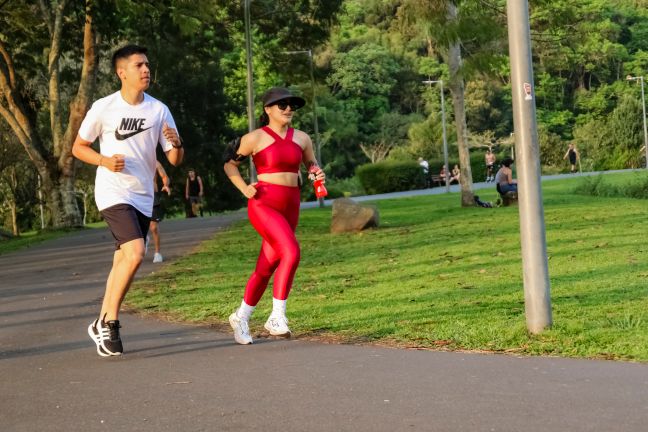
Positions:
(129, 125)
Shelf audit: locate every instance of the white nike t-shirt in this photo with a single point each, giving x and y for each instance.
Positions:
(134, 131)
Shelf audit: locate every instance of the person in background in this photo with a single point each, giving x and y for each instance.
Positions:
(443, 175)
(426, 170)
(456, 174)
(573, 156)
(158, 211)
(504, 177)
(194, 192)
(490, 165)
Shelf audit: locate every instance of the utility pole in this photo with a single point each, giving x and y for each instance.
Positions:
(537, 298)
(318, 153)
(643, 106)
(250, 84)
(443, 126)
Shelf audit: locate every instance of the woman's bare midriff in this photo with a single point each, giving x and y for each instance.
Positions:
(280, 178)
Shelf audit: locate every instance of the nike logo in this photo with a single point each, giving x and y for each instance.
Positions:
(130, 124)
(121, 137)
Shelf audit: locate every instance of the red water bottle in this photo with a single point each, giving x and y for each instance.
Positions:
(320, 189)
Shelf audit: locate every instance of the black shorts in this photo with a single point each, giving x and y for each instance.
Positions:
(126, 223)
(158, 211)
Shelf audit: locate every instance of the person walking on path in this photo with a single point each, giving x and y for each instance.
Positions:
(158, 211)
(129, 125)
(273, 205)
(194, 192)
(573, 156)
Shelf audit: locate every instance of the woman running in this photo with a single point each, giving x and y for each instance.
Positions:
(273, 207)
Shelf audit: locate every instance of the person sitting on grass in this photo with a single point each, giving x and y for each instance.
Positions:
(504, 178)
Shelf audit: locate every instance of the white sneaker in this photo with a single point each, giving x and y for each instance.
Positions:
(241, 330)
(157, 258)
(278, 326)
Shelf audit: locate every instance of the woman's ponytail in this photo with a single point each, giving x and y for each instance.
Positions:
(264, 120)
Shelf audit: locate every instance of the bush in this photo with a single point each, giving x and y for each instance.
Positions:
(390, 176)
(597, 186)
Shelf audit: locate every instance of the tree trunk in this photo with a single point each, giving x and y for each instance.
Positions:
(56, 167)
(14, 218)
(457, 89)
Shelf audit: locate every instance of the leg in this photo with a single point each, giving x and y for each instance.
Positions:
(258, 282)
(126, 261)
(155, 233)
(279, 254)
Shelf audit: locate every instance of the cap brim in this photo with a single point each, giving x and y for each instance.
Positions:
(300, 102)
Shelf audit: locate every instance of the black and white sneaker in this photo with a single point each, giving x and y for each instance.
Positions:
(112, 344)
(95, 332)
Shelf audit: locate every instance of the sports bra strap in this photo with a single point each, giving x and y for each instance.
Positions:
(276, 136)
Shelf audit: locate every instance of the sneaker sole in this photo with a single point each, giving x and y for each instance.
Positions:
(95, 338)
(238, 341)
(275, 333)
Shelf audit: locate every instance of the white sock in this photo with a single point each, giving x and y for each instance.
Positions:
(245, 311)
(278, 307)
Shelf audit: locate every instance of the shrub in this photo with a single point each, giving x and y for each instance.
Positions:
(597, 186)
(390, 176)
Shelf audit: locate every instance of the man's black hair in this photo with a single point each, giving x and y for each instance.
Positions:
(125, 52)
(507, 162)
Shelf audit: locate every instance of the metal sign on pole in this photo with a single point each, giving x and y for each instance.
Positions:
(537, 298)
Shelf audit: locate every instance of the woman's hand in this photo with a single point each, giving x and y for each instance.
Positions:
(319, 174)
(250, 191)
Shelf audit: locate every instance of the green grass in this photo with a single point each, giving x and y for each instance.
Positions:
(435, 275)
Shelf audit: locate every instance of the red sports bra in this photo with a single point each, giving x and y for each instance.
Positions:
(284, 155)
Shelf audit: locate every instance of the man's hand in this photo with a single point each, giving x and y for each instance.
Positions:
(171, 135)
(166, 189)
(115, 163)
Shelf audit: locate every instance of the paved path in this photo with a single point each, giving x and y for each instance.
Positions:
(177, 377)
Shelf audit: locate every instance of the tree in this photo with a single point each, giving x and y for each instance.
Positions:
(26, 31)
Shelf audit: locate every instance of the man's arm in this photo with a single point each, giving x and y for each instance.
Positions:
(176, 154)
(81, 150)
(164, 177)
(200, 191)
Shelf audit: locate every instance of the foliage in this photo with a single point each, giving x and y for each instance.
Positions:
(369, 60)
(390, 176)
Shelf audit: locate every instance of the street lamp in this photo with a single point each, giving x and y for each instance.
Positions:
(643, 105)
(445, 141)
(318, 153)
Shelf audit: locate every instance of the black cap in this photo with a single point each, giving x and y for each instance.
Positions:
(276, 94)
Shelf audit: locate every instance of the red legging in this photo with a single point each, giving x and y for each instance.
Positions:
(274, 212)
